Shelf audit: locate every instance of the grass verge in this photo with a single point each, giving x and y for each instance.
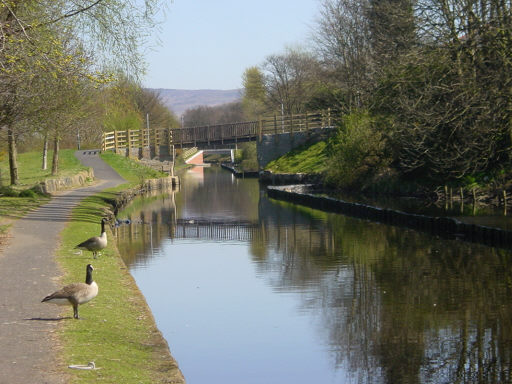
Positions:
(30, 174)
(309, 158)
(118, 332)
(30, 171)
(131, 170)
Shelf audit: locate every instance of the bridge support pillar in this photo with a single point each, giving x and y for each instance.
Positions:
(232, 155)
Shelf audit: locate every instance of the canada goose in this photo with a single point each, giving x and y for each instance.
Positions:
(96, 243)
(76, 293)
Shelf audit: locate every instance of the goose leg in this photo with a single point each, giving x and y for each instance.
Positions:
(75, 311)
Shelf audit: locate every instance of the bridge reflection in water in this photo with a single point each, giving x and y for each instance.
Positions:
(148, 227)
(384, 304)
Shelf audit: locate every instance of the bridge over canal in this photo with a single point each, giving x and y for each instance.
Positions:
(161, 143)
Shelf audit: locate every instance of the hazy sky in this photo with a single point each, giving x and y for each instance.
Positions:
(208, 44)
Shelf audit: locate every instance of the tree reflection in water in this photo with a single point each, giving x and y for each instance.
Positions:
(395, 305)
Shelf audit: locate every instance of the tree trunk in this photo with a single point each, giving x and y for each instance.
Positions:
(45, 152)
(55, 162)
(13, 163)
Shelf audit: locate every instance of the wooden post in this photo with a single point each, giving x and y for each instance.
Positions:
(328, 117)
(461, 194)
(307, 123)
(103, 142)
(275, 124)
(116, 143)
(505, 202)
(129, 143)
(291, 125)
(169, 141)
(260, 129)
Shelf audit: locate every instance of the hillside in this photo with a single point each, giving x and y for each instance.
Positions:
(179, 100)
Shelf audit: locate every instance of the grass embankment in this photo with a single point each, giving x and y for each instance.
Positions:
(131, 170)
(14, 206)
(309, 158)
(30, 168)
(119, 332)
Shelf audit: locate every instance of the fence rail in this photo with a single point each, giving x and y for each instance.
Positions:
(135, 138)
(276, 124)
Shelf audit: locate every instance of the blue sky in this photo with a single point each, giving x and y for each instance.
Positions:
(207, 44)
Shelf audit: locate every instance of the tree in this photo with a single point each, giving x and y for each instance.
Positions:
(253, 99)
(149, 103)
(289, 78)
(450, 96)
(31, 35)
(342, 40)
(220, 114)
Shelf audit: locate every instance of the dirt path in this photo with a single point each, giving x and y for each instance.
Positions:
(28, 272)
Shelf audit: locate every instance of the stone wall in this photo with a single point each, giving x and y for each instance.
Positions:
(61, 183)
(272, 147)
(151, 185)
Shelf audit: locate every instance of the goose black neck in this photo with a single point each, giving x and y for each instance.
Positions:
(102, 226)
(88, 276)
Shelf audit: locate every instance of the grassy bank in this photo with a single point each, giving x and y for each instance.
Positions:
(14, 206)
(30, 171)
(119, 332)
(309, 158)
(131, 170)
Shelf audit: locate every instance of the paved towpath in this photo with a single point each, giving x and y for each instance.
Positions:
(28, 272)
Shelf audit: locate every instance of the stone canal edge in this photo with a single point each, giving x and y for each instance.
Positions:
(28, 271)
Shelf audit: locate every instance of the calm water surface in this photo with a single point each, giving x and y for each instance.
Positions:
(251, 290)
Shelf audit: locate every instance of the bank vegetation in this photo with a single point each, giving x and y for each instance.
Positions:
(424, 87)
(70, 70)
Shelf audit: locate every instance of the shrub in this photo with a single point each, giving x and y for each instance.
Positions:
(8, 192)
(28, 193)
(357, 152)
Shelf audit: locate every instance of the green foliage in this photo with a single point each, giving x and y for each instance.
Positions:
(9, 192)
(253, 99)
(28, 193)
(357, 152)
(131, 170)
(326, 96)
(246, 157)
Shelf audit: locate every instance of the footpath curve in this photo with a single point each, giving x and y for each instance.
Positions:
(28, 272)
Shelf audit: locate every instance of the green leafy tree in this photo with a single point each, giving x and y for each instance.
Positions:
(31, 40)
(253, 100)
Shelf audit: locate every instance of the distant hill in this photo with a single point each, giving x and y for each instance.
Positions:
(179, 100)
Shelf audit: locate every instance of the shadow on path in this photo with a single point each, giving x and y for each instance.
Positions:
(27, 273)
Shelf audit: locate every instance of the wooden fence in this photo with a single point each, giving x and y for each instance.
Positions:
(231, 132)
(135, 138)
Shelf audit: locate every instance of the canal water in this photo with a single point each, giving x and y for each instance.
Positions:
(251, 290)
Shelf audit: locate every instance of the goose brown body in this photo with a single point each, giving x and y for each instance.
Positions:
(96, 243)
(76, 293)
